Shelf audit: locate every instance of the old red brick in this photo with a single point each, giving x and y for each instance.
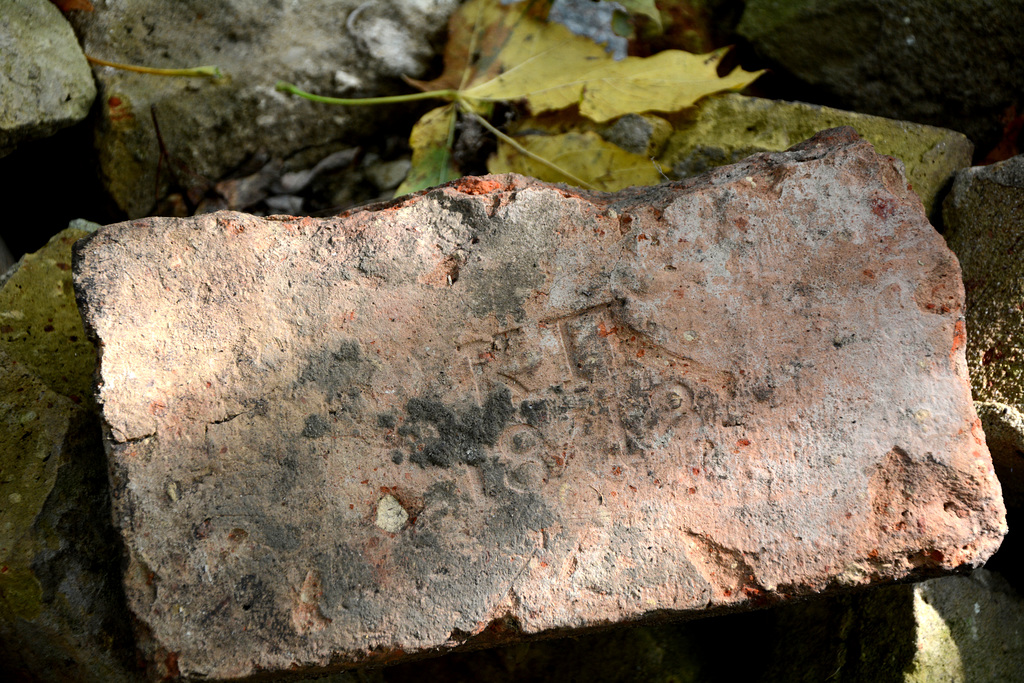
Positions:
(500, 408)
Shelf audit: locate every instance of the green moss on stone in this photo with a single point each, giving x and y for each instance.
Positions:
(20, 593)
(62, 613)
(726, 128)
(33, 427)
(39, 322)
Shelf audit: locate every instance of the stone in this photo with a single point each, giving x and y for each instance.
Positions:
(969, 628)
(62, 605)
(644, 134)
(209, 129)
(40, 326)
(387, 175)
(593, 20)
(984, 217)
(726, 128)
(45, 82)
(900, 60)
(954, 628)
(701, 396)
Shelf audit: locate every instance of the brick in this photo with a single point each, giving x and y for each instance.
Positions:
(502, 408)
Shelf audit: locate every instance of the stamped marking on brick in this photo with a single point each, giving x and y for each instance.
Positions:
(706, 405)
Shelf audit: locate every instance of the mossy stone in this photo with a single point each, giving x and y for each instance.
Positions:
(39, 322)
(726, 128)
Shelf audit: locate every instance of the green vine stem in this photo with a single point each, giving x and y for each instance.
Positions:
(211, 72)
(449, 95)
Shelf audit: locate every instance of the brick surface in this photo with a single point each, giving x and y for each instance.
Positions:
(502, 407)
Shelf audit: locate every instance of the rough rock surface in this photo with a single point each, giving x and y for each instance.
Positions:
(726, 128)
(969, 628)
(45, 82)
(593, 408)
(40, 326)
(901, 59)
(344, 48)
(61, 604)
(984, 217)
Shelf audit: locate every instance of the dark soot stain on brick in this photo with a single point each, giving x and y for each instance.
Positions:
(461, 435)
(339, 372)
(315, 427)
(534, 412)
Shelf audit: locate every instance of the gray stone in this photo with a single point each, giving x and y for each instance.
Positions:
(952, 63)
(386, 175)
(984, 216)
(593, 408)
(640, 134)
(210, 128)
(45, 82)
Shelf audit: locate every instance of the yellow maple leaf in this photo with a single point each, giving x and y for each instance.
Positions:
(587, 156)
(499, 53)
(603, 88)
